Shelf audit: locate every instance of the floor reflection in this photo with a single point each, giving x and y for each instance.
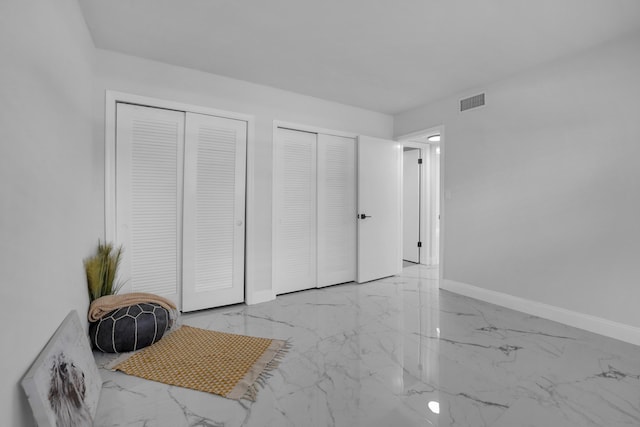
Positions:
(400, 352)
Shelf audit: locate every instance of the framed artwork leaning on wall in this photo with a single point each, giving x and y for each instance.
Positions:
(63, 384)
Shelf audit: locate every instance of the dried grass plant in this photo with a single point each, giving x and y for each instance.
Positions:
(101, 271)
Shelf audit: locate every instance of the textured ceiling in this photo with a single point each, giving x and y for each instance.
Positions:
(381, 55)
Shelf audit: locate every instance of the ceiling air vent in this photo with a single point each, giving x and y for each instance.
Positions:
(473, 102)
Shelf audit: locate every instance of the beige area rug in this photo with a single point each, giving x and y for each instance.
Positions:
(216, 362)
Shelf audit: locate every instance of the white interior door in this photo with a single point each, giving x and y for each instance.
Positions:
(379, 196)
(149, 161)
(336, 210)
(214, 212)
(411, 205)
(294, 211)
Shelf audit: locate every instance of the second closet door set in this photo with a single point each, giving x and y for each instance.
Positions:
(180, 204)
(314, 210)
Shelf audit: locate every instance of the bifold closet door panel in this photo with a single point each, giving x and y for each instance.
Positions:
(149, 172)
(294, 211)
(214, 212)
(336, 210)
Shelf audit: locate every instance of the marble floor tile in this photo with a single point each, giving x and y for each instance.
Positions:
(400, 352)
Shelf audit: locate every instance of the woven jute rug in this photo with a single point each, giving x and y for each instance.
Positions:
(228, 365)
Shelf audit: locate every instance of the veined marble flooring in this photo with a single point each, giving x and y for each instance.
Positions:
(399, 352)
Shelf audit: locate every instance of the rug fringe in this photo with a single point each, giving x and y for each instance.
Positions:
(252, 391)
(117, 359)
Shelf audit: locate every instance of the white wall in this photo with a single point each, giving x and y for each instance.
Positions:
(545, 183)
(138, 76)
(49, 217)
(52, 86)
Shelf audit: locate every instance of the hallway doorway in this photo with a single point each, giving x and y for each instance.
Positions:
(421, 197)
(411, 209)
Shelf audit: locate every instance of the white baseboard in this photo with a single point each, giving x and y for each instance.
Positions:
(598, 325)
(260, 296)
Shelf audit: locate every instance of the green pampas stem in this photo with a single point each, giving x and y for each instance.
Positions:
(101, 271)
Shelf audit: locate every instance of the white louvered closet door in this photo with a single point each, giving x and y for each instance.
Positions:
(336, 210)
(214, 212)
(294, 211)
(148, 187)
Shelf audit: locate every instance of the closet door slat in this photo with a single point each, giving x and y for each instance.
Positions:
(336, 210)
(294, 211)
(213, 260)
(148, 187)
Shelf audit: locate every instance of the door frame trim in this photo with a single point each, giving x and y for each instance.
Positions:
(312, 129)
(112, 97)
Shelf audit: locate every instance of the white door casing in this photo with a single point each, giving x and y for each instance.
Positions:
(214, 211)
(379, 198)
